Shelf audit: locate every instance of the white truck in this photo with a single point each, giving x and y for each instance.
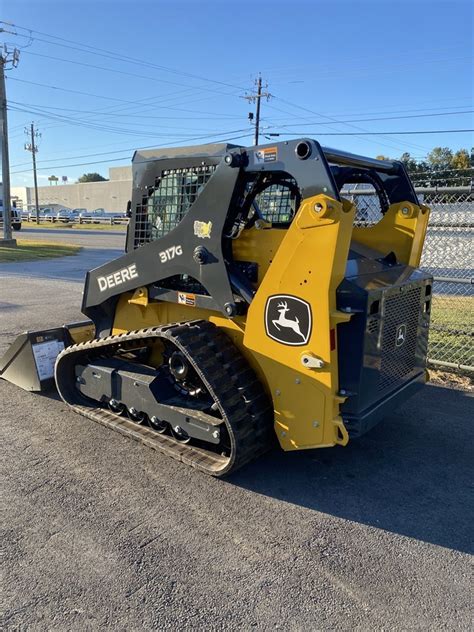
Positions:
(15, 213)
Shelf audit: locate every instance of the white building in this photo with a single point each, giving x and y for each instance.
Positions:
(111, 195)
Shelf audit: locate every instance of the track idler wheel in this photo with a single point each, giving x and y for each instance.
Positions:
(180, 435)
(179, 366)
(116, 407)
(136, 416)
(159, 425)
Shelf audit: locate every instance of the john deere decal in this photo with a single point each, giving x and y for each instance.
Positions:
(288, 320)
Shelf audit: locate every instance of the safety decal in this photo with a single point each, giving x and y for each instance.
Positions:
(203, 229)
(184, 298)
(267, 154)
(288, 320)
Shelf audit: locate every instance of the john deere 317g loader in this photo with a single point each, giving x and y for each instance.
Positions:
(254, 301)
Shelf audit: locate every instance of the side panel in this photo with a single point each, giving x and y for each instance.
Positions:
(302, 370)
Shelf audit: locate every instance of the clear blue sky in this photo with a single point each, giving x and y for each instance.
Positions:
(324, 61)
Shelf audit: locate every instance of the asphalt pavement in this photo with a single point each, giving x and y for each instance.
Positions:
(98, 247)
(100, 532)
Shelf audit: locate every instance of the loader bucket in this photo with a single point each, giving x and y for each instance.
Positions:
(29, 361)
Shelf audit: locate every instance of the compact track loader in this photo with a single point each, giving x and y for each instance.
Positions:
(255, 301)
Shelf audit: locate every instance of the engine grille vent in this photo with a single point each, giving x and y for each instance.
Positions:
(372, 325)
(400, 340)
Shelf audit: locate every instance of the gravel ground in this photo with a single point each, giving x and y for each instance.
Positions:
(102, 533)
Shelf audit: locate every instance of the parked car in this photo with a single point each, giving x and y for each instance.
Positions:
(63, 215)
(41, 214)
(48, 214)
(99, 213)
(68, 215)
(117, 216)
(94, 216)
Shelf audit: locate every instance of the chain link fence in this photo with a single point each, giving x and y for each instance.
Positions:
(448, 256)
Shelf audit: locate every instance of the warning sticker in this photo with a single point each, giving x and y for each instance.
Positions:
(268, 154)
(203, 229)
(186, 299)
(45, 354)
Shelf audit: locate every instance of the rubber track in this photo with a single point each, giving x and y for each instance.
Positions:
(243, 403)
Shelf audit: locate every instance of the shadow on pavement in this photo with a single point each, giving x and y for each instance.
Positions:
(410, 475)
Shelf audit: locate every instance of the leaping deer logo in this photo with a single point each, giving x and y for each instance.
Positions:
(401, 335)
(283, 321)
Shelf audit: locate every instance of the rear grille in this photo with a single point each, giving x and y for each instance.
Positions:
(400, 339)
(373, 325)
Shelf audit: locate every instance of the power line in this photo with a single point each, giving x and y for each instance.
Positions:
(136, 103)
(106, 153)
(86, 94)
(449, 107)
(93, 124)
(215, 137)
(436, 131)
(116, 56)
(154, 78)
(133, 114)
(115, 130)
(186, 140)
(334, 120)
(436, 170)
(383, 118)
(124, 72)
(128, 105)
(98, 96)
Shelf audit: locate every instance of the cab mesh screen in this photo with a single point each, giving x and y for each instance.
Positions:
(278, 202)
(168, 202)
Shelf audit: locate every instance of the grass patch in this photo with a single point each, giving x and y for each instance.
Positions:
(56, 225)
(32, 250)
(452, 324)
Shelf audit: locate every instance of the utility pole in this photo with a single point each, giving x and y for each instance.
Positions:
(257, 98)
(6, 57)
(31, 146)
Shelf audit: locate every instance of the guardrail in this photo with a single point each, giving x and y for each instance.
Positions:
(98, 219)
(101, 220)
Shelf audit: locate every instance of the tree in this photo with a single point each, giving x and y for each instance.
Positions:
(92, 177)
(410, 163)
(461, 160)
(441, 168)
(440, 157)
